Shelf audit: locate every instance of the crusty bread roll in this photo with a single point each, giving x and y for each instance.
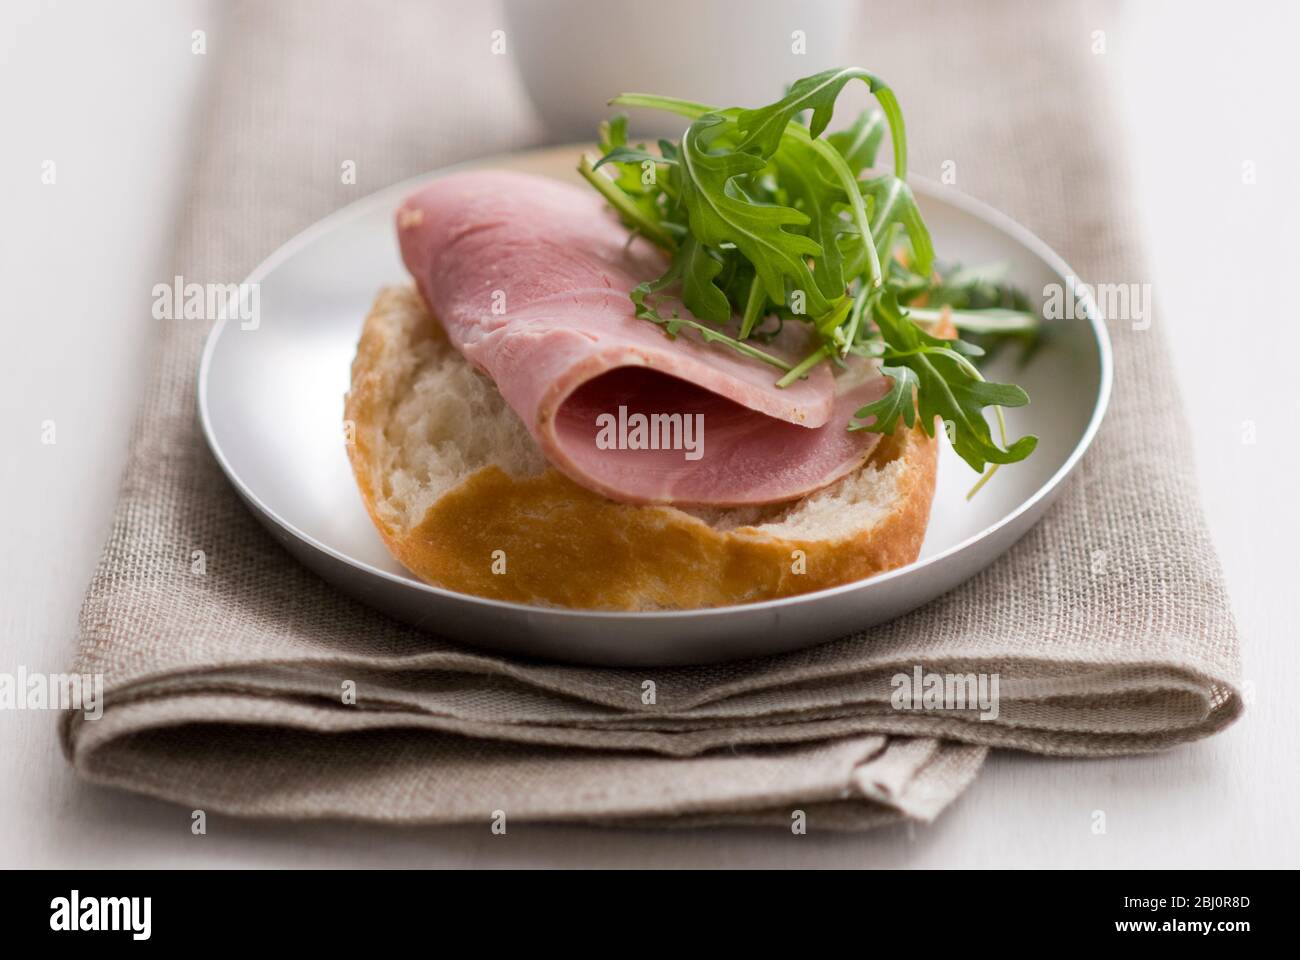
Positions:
(465, 500)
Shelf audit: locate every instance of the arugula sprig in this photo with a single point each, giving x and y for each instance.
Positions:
(768, 221)
(946, 385)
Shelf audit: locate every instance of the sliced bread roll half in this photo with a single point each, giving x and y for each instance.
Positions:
(465, 500)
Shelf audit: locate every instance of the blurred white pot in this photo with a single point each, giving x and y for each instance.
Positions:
(574, 55)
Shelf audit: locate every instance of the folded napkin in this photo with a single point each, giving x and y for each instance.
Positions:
(222, 690)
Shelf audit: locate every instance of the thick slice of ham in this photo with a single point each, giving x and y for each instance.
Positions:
(530, 279)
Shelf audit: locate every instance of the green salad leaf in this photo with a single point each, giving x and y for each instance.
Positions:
(719, 211)
(772, 220)
(947, 387)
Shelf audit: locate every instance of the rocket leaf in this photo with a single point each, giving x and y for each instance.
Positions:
(764, 219)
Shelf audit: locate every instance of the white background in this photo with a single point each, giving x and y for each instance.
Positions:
(111, 93)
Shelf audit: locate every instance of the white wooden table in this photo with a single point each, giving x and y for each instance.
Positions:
(110, 97)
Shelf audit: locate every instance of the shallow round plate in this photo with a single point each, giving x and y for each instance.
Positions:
(271, 402)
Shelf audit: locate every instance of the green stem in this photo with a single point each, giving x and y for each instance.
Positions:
(855, 318)
(800, 370)
(685, 108)
(710, 335)
(992, 320)
(859, 210)
(897, 132)
(620, 202)
(754, 305)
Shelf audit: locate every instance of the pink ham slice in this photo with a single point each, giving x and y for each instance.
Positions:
(530, 279)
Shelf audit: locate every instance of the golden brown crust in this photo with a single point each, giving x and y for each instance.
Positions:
(545, 540)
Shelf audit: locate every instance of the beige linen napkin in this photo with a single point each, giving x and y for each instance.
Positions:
(223, 690)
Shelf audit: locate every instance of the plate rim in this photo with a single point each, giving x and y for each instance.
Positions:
(929, 188)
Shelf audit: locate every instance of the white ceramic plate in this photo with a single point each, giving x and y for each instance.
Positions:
(271, 402)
